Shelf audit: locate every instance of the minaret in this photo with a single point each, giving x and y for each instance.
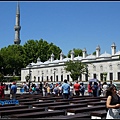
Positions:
(84, 53)
(98, 51)
(113, 47)
(17, 26)
(72, 55)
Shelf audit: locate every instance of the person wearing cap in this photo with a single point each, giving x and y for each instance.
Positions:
(13, 91)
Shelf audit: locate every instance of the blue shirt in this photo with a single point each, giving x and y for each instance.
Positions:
(65, 88)
(14, 88)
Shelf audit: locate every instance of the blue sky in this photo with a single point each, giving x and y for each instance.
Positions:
(66, 24)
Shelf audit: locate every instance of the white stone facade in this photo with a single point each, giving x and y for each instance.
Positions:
(53, 70)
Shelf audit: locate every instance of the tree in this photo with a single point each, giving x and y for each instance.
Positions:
(12, 57)
(76, 52)
(76, 68)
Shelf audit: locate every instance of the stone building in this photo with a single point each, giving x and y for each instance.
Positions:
(99, 65)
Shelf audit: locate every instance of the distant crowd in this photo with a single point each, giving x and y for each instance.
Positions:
(65, 89)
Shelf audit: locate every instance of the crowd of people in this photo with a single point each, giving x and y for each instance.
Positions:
(60, 88)
(67, 90)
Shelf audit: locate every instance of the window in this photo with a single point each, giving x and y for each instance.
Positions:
(118, 75)
(94, 76)
(68, 77)
(57, 78)
(47, 78)
(51, 78)
(61, 77)
(42, 78)
(101, 76)
(38, 79)
(111, 76)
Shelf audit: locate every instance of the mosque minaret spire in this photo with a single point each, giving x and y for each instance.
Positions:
(17, 26)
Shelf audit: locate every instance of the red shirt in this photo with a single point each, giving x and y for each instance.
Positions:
(89, 88)
(76, 86)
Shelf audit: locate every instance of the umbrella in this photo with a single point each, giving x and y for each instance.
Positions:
(93, 80)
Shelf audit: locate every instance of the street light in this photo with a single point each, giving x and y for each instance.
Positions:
(29, 66)
(54, 73)
(42, 76)
(86, 72)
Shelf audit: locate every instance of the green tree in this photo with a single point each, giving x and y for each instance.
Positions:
(76, 52)
(12, 57)
(76, 68)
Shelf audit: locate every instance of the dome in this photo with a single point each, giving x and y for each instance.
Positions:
(105, 55)
(90, 57)
(47, 62)
(38, 62)
(56, 61)
(66, 59)
(117, 53)
(78, 58)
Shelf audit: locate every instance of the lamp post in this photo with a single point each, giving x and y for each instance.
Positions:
(42, 76)
(29, 74)
(86, 72)
(54, 73)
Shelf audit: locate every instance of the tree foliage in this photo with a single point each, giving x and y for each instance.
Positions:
(76, 68)
(15, 57)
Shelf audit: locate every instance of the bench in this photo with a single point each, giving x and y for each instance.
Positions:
(49, 104)
(35, 102)
(90, 104)
(19, 111)
(101, 114)
(84, 101)
(25, 100)
(103, 99)
(74, 111)
(39, 114)
(68, 100)
(50, 98)
(64, 107)
(79, 115)
(13, 107)
(7, 105)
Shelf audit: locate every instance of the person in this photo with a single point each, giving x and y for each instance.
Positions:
(56, 90)
(48, 89)
(41, 87)
(95, 89)
(82, 88)
(118, 93)
(104, 88)
(112, 103)
(99, 88)
(65, 89)
(90, 89)
(13, 91)
(51, 88)
(71, 89)
(45, 88)
(2, 87)
(77, 88)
